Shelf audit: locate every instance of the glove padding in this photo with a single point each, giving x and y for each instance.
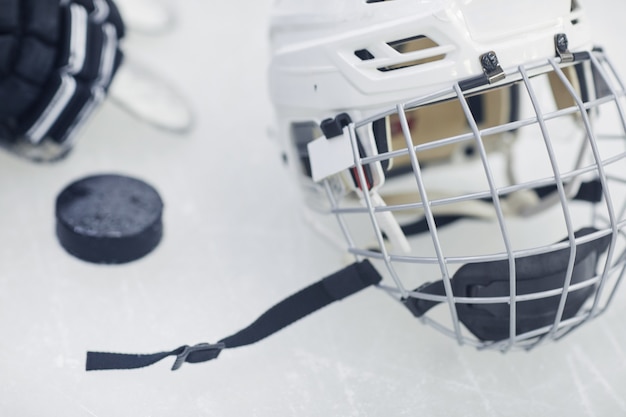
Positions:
(57, 60)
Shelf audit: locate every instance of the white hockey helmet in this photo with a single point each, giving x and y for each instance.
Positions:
(473, 151)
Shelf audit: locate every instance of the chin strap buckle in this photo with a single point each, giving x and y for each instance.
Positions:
(198, 353)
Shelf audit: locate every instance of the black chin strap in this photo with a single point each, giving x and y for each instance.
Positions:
(335, 287)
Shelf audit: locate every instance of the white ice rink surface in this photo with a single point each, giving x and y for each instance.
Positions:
(234, 244)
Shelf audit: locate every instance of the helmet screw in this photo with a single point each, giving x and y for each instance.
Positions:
(490, 61)
(561, 45)
(491, 67)
(561, 42)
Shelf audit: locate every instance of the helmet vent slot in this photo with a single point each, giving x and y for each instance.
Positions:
(416, 45)
(364, 54)
(412, 44)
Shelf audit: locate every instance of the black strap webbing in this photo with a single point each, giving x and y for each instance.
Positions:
(419, 306)
(335, 287)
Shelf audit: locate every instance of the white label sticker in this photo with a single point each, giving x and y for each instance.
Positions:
(330, 156)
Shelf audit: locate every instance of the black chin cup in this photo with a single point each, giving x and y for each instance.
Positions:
(534, 274)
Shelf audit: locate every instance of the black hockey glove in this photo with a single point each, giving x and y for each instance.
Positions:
(57, 60)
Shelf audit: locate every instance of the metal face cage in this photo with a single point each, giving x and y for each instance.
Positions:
(505, 231)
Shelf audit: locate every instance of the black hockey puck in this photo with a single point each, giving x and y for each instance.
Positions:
(109, 219)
